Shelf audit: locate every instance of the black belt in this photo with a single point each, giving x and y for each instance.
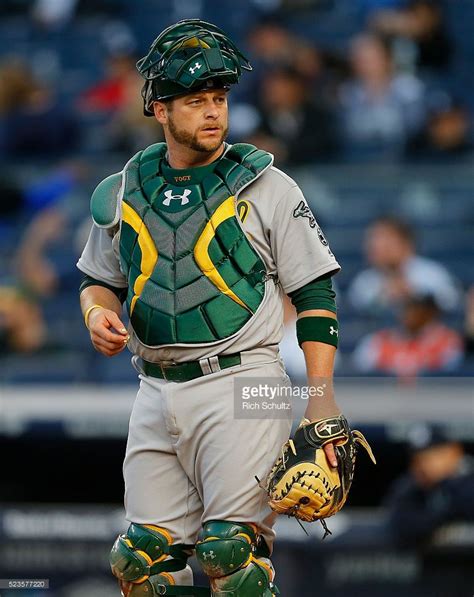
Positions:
(189, 370)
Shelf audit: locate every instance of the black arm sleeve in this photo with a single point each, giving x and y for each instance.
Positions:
(318, 294)
(120, 293)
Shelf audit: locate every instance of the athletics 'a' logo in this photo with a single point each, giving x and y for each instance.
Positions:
(243, 208)
(184, 198)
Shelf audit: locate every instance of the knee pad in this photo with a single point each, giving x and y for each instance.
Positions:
(229, 555)
(143, 559)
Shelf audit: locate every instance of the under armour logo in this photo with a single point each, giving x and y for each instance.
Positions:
(303, 211)
(196, 67)
(184, 197)
(333, 331)
(208, 554)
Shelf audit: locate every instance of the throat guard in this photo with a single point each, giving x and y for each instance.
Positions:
(193, 275)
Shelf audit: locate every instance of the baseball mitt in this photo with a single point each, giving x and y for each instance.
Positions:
(302, 483)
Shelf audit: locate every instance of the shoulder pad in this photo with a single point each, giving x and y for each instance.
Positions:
(241, 165)
(157, 151)
(250, 156)
(105, 204)
(148, 163)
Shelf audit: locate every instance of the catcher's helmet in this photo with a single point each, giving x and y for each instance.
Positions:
(189, 55)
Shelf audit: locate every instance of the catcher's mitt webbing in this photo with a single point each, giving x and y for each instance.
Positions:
(302, 483)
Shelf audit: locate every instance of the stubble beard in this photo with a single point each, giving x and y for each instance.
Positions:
(191, 140)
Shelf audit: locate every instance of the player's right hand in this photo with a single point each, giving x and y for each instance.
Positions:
(108, 334)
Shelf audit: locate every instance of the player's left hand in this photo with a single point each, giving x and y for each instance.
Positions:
(312, 477)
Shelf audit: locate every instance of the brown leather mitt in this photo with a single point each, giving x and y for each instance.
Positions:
(302, 483)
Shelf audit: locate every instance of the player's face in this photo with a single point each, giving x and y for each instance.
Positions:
(199, 121)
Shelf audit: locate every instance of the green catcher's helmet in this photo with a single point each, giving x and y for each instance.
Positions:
(189, 56)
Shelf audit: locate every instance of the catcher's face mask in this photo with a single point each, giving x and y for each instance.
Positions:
(189, 56)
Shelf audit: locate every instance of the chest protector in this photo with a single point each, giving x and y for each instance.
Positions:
(193, 275)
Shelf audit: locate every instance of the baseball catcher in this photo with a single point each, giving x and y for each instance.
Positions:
(201, 240)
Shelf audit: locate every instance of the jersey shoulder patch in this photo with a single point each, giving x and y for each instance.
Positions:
(105, 201)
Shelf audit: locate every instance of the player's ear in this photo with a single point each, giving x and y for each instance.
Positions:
(161, 110)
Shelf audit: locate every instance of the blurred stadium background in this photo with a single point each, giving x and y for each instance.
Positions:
(369, 105)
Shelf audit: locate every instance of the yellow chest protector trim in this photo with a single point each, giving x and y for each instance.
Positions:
(201, 250)
(147, 247)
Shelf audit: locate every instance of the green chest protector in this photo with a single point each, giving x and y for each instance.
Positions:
(193, 275)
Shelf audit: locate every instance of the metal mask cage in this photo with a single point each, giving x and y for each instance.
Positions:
(156, 63)
(168, 69)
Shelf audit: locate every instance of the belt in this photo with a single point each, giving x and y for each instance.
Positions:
(191, 369)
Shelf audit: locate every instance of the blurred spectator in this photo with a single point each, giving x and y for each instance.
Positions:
(33, 123)
(323, 70)
(34, 269)
(47, 211)
(15, 85)
(118, 101)
(293, 127)
(273, 46)
(24, 201)
(271, 43)
(129, 130)
(55, 205)
(22, 328)
(32, 277)
(380, 108)
(396, 272)
(446, 137)
(421, 22)
(437, 490)
(110, 93)
(421, 345)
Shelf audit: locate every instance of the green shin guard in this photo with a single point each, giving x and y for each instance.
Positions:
(143, 559)
(228, 554)
(251, 581)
